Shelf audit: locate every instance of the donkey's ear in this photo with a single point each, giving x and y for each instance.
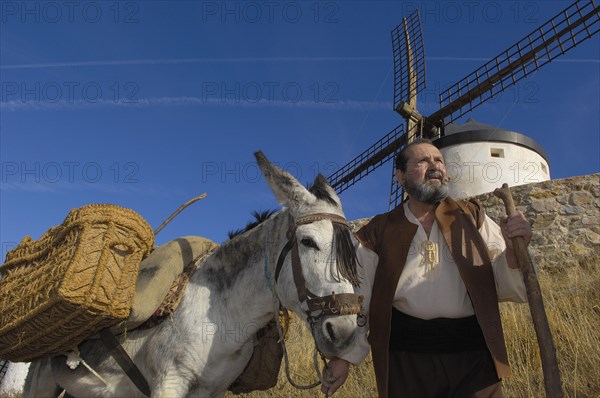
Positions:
(323, 191)
(288, 191)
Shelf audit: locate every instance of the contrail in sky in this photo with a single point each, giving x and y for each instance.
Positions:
(248, 60)
(18, 105)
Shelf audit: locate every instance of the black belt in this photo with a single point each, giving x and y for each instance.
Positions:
(439, 335)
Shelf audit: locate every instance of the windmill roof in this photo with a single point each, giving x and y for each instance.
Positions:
(470, 125)
(473, 131)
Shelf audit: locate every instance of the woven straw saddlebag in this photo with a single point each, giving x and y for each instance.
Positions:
(77, 279)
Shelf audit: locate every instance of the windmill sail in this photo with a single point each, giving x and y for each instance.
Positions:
(570, 27)
(396, 191)
(409, 79)
(409, 61)
(378, 154)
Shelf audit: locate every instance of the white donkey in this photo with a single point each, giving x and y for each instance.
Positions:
(209, 340)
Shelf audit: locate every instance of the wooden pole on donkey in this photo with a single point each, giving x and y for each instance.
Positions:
(552, 383)
(179, 210)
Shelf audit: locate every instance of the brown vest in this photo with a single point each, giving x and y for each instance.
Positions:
(390, 236)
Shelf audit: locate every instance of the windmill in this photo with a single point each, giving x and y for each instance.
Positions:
(575, 24)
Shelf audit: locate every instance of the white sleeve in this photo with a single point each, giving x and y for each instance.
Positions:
(509, 282)
(368, 260)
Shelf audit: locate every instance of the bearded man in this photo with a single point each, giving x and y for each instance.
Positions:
(437, 269)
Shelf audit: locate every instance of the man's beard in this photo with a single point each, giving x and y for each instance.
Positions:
(428, 193)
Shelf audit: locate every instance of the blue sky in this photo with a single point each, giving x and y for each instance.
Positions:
(147, 104)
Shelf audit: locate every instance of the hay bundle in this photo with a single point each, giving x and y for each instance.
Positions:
(78, 278)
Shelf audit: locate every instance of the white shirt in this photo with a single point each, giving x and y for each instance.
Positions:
(432, 291)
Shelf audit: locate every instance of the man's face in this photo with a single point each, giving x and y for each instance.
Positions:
(425, 179)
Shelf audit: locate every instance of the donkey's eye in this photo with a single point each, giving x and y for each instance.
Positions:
(308, 242)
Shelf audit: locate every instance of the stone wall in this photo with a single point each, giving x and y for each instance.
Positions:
(565, 217)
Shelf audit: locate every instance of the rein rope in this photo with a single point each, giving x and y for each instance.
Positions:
(340, 304)
(286, 359)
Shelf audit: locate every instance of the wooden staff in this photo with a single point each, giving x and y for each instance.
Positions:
(550, 369)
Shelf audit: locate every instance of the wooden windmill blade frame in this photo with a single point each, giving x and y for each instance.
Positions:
(369, 160)
(409, 79)
(409, 59)
(396, 194)
(575, 24)
(396, 191)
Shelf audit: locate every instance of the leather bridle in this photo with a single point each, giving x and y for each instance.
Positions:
(333, 304)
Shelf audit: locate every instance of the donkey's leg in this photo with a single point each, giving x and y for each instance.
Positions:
(39, 382)
(171, 385)
(203, 392)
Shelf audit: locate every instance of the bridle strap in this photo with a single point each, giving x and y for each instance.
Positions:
(336, 304)
(292, 239)
(340, 304)
(299, 280)
(286, 249)
(320, 217)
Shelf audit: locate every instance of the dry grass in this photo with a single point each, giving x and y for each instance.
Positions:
(300, 347)
(572, 301)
